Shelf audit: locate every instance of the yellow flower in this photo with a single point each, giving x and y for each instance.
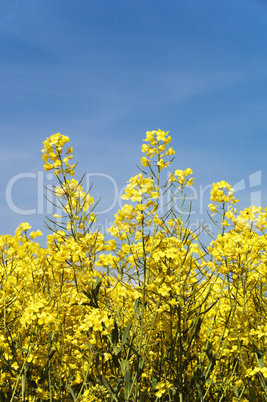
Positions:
(144, 161)
(161, 135)
(160, 163)
(150, 136)
(180, 174)
(33, 235)
(145, 148)
(162, 147)
(170, 151)
(188, 171)
(48, 166)
(213, 208)
(23, 227)
(190, 182)
(172, 178)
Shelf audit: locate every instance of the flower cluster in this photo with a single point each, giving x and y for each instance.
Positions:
(52, 152)
(181, 176)
(158, 144)
(222, 192)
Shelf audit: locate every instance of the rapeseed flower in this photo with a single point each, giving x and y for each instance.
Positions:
(149, 313)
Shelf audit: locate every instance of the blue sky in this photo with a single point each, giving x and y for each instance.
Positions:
(105, 72)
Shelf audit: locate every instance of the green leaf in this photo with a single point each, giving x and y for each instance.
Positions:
(212, 360)
(96, 288)
(260, 358)
(22, 349)
(235, 390)
(115, 334)
(125, 336)
(93, 294)
(209, 353)
(103, 381)
(71, 392)
(127, 383)
(197, 328)
(140, 368)
(123, 365)
(51, 354)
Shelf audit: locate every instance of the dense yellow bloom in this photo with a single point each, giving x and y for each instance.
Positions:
(149, 313)
(158, 145)
(52, 155)
(222, 192)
